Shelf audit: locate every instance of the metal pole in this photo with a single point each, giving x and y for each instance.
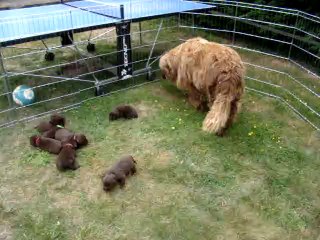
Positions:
(45, 45)
(193, 32)
(122, 11)
(6, 80)
(154, 43)
(140, 29)
(293, 36)
(235, 24)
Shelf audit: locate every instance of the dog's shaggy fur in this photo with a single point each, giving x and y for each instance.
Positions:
(213, 76)
(55, 119)
(64, 134)
(67, 157)
(117, 174)
(123, 111)
(46, 144)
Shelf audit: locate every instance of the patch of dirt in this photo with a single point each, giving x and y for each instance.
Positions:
(279, 62)
(5, 232)
(243, 189)
(257, 106)
(144, 110)
(243, 223)
(75, 69)
(162, 92)
(164, 158)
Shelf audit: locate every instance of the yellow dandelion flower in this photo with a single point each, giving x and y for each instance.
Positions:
(250, 133)
(173, 128)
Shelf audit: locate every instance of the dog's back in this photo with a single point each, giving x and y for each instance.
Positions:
(50, 133)
(43, 126)
(118, 172)
(63, 134)
(125, 165)
(47, 144)
(123, 111)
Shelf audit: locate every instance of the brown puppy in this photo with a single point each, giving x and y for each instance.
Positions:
(80, 139)
(123, 111)
(55, 120)
(46, 144)
(117, 173)
(64, 134)
(67, 157)
(50, 133)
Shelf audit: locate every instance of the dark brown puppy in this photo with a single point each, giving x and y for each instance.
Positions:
(123, 111)
(52, 132)
(55, 120)
(81, 139)
(64, 134)
(66, 159)
(46, 144)
(117, 174)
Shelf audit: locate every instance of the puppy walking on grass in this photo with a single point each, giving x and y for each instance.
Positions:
(123, 111)
(117, 173)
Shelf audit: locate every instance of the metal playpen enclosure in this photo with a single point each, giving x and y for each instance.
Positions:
(67, 61)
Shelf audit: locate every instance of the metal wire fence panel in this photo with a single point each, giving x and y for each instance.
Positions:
(284, 32)
(288, 35)
(71, 77)
(271, 40)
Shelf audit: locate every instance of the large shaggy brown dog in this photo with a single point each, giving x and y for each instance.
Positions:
(212, 74)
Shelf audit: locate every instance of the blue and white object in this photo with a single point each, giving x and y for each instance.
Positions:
(39, 21)
(23, 95)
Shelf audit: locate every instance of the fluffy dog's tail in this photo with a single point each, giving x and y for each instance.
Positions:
(220, 115)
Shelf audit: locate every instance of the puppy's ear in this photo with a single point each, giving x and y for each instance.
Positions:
(32, 140)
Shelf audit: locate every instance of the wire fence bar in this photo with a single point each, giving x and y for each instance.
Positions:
(279, 34)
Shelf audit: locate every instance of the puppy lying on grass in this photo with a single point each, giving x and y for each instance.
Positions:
(117, 173)
(67, 157)
(64, 134)
(47, 144)
(123, 111)
(55, 120)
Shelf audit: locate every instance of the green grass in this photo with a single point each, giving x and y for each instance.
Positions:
(259, 182)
